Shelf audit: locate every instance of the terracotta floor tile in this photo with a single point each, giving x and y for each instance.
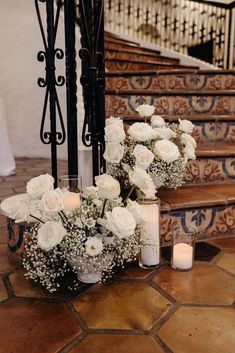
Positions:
(204, 284)
(224, 243)
(25, 288)
(121, 306)
(3, 292)
(227, 262)
(134, 271)
(35, 327)
(117, 344)
(7, 262)
(200, 330)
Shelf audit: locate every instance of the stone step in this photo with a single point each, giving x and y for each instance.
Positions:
(113, 37)
(177, 80)
(122, 65)
(138, 56)
(221, 103)
(117, 46)
(216, 131)
(209, 208)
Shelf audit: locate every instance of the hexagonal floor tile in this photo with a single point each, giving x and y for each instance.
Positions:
(117, 344)
(227, 262)
(121, 306)
(3, 292)
(7, 262)
(35, 327)
(197, 330)
(134, 271)
(204, 284)
(224, 243)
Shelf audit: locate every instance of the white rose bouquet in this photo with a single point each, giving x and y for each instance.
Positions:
(101, 232)
(150, 154)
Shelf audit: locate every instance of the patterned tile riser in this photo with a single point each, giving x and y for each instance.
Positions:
(209, 222)
(210, 171)
(125, 105)
(215, 131)
(173, 82)
(129, 66)
(138, 57)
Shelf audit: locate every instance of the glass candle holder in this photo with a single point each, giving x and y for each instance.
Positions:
(150, 251)
(182, 251)
(71, 186)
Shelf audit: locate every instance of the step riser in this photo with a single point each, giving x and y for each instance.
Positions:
(177, 82)
(210, 170)
(129, 66)
(205, 132)
(125, 105)
(138, 57)
(116, 46)
(210, 223)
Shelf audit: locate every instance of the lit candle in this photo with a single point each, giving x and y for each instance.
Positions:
(150, 253)
(182, 256)
(71, 200)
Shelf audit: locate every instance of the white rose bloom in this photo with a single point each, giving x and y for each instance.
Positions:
(164, 133)
(143, 181)
(189, 151)
(120, 222)
(108, 187)
(114, 133)
(113, 120)
(145, 110)
(52, 201)
(157, 121)
(50, 234)
(166, 150)
(136, 210)
(37, 186)
(16, 207)
(141, 132)
(143, 156)
(186, 126)
(188, 139)
(94, 246)
(113, 152)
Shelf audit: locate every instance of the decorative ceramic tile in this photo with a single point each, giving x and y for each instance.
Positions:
(197, 330)
(121, 306)
(227, 262)
(195, 286)
(99, 343)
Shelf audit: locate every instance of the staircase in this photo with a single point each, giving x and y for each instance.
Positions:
(137, 75)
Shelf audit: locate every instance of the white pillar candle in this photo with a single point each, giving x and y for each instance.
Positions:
(150, 253)
(182, 256)
(71, 200)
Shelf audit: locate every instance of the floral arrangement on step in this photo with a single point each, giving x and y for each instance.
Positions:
(153, 148)
(100, 232)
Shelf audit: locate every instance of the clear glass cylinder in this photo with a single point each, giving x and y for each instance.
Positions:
(150, 251)
(182, 250)
(71, 186)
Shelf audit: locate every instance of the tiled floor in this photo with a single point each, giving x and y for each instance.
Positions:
(138, 311)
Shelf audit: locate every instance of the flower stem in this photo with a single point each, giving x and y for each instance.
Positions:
(104, 204)
(129, 194)
(38, 219)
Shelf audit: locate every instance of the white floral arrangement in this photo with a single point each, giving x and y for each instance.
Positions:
(100, 232)
(157, 149)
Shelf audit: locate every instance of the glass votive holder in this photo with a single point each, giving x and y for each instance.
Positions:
(71, 186)
(182, 250)
(149, 257)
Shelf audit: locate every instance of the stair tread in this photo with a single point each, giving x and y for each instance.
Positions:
(194, 118)
(143, 55)
(170, 72)
(156, 92)
(197, 196)
(219, 149)
(136, 51)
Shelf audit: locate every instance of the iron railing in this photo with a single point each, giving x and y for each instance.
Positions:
(177, 24)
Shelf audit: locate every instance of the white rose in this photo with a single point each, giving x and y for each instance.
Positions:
(114, 133)
(71, 200)
(113, 120)
(16, 207)
(113, 152)
(157, 121)
(108, 187)
(50, 234)
(37, 186)
(52, 201)
(94, 246)
(141, 132)
(143, 181)
(120, 222)
(145, 110)
(189, 151)
(143, 156)
(166, 150)
(188, 139)
(186, 126)
(136, 210)
(164, 133)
